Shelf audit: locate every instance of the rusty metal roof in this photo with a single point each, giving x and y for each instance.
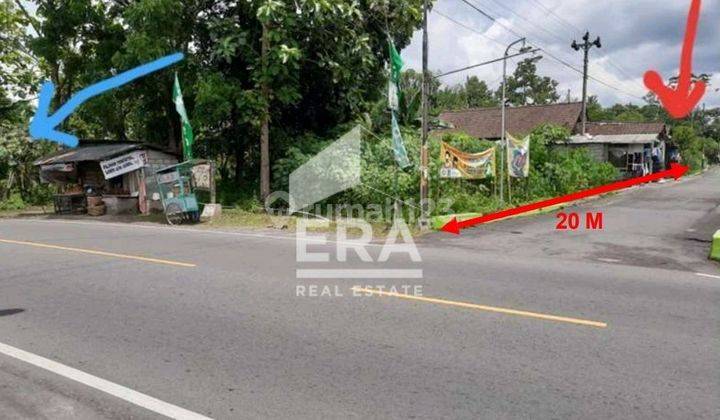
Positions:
(485, 123)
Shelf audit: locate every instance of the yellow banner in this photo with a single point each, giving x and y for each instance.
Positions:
(518, 156)
(457, 164)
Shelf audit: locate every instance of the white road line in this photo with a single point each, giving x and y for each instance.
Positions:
(609, 260)
(201, 231)
(127, 394)
(707, 275)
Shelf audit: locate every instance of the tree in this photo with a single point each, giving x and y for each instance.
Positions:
(478, 94)
(525, 87)
(322, 66)
(17, 65)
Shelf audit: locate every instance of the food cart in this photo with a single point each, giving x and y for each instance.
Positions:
(177, 185)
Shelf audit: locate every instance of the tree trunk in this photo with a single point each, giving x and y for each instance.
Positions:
(265, 128)
(239, 152)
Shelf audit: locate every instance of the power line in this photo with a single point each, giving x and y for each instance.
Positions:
(486, 63)
(552, 34)
(559, 18)
(482, 12)
(576, 28)
(469, 28)
(547, 52)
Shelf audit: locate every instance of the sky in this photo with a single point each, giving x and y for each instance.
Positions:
(637, 36)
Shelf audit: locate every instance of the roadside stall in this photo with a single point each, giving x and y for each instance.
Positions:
(105, 177)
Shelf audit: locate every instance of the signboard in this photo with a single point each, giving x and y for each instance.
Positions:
(201, 176)
(518, 156)
(124, 164)
(457, 164)
(169, 177)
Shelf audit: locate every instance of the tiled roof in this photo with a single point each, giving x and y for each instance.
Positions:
(619, 128)
(485, 123)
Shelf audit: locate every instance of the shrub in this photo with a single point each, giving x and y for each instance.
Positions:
(553, 172)
(14, 202)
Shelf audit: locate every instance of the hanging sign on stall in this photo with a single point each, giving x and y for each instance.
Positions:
(124, 164)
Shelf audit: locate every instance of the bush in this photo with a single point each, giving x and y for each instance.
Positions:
(14, 202)
(553, 172)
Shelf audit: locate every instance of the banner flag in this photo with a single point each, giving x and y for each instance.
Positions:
(398, 145)
(457, 164)
(187, 133)
(396, 66)
(518, 156)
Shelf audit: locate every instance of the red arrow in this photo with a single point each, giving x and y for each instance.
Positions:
(681, 101)
(453, 226)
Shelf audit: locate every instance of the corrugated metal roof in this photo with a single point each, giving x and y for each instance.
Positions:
(614, 139)
(619, 128)
(93, 152)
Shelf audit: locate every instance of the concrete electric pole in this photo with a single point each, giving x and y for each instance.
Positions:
(585, 46)
(424, 181)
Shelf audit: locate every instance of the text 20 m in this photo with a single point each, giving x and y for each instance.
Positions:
(572, 221)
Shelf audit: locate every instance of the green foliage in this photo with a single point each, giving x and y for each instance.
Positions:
(553, 172)
(17, 172)
(690, 145)
(474, 93)
(14, 202)
(526, 87)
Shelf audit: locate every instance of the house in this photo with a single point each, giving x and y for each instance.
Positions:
(633, 148)
(486, 123)
(122, 173)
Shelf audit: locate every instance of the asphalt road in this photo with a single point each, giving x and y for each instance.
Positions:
(210, 322)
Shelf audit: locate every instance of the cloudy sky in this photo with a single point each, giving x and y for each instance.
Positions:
(637, 35)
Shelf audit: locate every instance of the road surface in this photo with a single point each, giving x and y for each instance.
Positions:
(619, 323)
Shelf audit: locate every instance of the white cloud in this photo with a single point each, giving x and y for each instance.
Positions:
(638, 35)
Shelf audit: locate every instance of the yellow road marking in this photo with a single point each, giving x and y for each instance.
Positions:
(506, 311)
(101, 253)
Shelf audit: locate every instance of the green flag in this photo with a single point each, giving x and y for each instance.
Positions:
(396, 65)
(187, 133)
(398, 146)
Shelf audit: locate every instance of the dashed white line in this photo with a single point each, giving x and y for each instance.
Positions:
(609, 260)
(712, 276)
(119, 391)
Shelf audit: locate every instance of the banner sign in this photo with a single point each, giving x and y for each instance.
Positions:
(124, 164)
(201, 176)
(518, 156)
(457, 164)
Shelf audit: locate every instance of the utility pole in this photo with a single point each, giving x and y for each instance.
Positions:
(424, 181)
(503, 106)
(585, 46)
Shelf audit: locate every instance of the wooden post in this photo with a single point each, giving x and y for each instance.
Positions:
(212, 183)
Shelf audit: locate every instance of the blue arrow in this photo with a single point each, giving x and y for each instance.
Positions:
(43, 125)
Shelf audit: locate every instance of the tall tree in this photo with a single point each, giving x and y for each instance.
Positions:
(478, 94)
(526, 87)
(17, 65)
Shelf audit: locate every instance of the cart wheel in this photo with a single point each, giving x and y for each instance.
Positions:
(174, 214)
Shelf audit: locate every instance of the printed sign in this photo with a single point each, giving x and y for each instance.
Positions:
(124, 164)
(201, 176)
(457, 164)
(518, 157)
